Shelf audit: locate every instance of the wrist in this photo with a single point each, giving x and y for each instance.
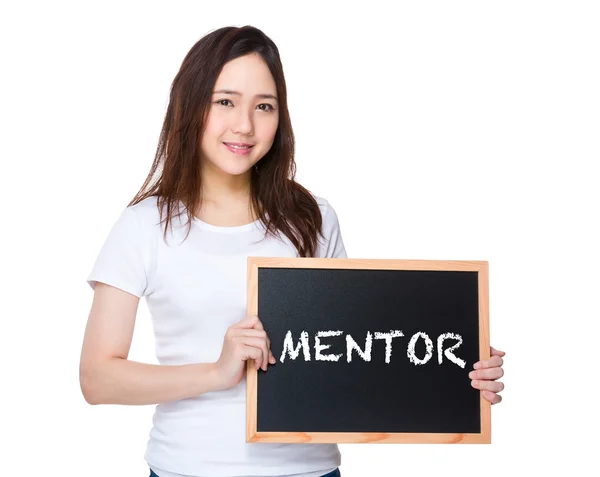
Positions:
(213, 378)
(202, 377)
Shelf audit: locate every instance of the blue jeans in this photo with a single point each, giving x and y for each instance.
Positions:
(335, 473)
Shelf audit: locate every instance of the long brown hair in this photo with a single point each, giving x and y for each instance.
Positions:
(281, 203)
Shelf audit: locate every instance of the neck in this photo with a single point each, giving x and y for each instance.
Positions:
(222, 188)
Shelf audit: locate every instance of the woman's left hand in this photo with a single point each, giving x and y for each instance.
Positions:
(485, 376)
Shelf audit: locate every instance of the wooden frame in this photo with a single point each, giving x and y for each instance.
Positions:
(254, 263)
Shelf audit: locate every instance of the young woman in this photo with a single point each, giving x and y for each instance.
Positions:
(221, 188)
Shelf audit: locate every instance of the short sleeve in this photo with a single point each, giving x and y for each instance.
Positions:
(120, 262)
(333, 245)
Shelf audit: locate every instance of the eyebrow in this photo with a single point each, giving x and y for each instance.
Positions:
(229, 91)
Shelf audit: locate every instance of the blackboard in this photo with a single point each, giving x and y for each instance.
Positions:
(369, 350)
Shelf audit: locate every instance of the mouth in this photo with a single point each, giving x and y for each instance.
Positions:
(238, 147)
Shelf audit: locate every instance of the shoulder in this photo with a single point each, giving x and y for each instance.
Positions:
(321, 201)
(327, 211)
(333, 245)
(140, 222)
(153, 227)
(134, 223)
(146, 214)
(145, 210)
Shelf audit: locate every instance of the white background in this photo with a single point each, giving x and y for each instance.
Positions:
(437, 130)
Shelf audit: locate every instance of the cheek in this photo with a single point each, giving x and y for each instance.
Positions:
(268, 131)
(215, 125)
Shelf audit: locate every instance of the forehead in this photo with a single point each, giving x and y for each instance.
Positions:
(246, 74)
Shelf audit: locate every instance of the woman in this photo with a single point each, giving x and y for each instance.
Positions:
(221, 188)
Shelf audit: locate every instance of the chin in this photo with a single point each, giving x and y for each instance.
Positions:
(234, 165)
(235, 169)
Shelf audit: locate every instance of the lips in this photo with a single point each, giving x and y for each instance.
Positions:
(238, 144)
(233, 147)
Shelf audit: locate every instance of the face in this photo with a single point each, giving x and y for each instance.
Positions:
(244, 112)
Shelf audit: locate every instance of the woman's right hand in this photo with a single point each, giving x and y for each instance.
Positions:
(244, 340)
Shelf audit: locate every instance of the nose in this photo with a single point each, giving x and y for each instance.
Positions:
(243, 123)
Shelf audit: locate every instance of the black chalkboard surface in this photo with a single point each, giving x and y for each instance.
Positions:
(369, 350)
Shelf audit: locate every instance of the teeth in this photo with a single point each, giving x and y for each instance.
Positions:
(238, 147)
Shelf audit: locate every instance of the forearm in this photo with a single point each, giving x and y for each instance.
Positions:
(120, 381)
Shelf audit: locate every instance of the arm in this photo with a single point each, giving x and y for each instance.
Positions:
(106, 375)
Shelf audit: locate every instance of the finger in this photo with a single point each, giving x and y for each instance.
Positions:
(260, 327)
(493, 362)
(247, 322)
(265, 345)
(258, 324)
(250, 352)
(496, 352)
(259, 344)
(490, 373)
(264, 362)
(272, 359)
(250, 332)
(493, 386)
(492, 397)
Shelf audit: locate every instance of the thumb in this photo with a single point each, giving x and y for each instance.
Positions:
(496, 352)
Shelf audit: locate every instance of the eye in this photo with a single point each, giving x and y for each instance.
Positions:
(221, 102)
(268, 107)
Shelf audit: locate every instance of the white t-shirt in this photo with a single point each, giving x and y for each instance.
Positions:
(195, 289)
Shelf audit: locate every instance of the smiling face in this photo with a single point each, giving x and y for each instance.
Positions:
(243, 112)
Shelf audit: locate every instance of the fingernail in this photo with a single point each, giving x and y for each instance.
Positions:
(474, 383)
(477, 365)
(472, 374)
